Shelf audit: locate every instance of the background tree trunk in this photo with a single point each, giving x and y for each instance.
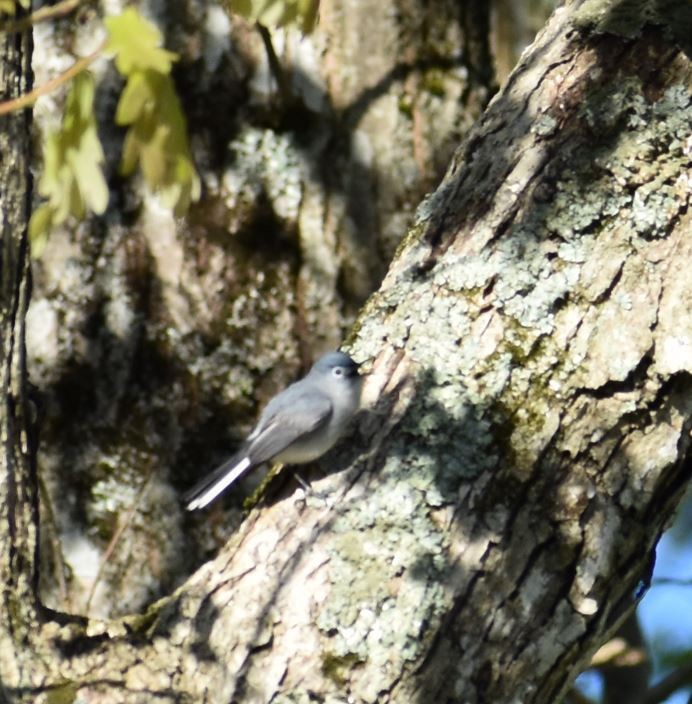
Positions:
(19, 501)
(526, 433)
(154, 341)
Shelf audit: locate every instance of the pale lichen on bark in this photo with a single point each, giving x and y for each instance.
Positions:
(549, 341)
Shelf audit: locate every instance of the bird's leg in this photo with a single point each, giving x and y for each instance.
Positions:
(306, 487)
(310, 495)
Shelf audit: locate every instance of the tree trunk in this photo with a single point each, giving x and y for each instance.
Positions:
(18, 491)
(526, 434)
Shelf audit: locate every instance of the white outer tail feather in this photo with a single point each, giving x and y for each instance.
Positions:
(215, 489)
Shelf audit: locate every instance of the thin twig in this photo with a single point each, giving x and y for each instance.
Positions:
(671, 581)
(48, 518)
(60, 9)
(275, 65)
(24, 101)
(125, 523)
(677, 679)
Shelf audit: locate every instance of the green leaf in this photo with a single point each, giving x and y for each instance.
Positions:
(88, 175)
(242, 8)
(9, 7)
(131, 147)
(134, 99)
(278, 13)
(308, 11)
(155, 158)
(72, 178)
(136, 44)
(39, 225)
(157, 138)
(274, 13)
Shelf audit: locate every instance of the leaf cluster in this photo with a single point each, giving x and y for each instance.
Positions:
(278, 13)
(72, 180)
(149, 106)
(156, 139)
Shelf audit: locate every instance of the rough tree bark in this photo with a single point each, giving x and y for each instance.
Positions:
(18, 494)
(526, 433)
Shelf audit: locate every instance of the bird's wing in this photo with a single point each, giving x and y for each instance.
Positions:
(282, 425)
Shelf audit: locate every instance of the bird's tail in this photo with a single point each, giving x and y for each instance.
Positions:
(220, 479)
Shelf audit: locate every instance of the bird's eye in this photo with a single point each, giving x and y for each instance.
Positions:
(337, 371)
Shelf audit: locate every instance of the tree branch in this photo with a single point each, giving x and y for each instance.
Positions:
(28, 99)
(669, 684)
(43, 14)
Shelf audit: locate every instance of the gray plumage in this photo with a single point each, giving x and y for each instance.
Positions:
(298, 425)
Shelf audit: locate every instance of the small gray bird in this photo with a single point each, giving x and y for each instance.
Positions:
(298, 425)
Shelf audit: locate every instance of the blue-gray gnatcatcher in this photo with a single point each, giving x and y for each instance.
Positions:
(298, 425)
